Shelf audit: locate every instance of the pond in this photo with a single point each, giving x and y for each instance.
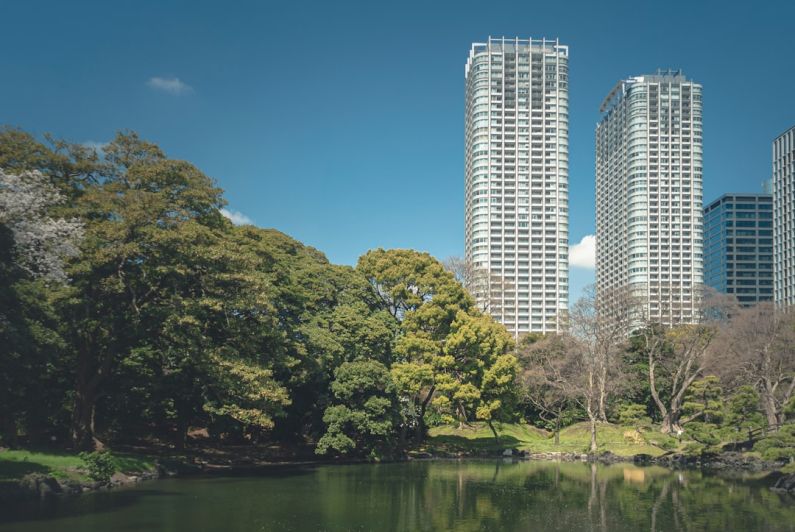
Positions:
(425, 495)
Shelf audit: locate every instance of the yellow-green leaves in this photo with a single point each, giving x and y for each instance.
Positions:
(245, 392)
(448, 355)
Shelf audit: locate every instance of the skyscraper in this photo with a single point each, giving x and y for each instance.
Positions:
(649, 196)
(516, 175)
(784, 218)
(738, 246)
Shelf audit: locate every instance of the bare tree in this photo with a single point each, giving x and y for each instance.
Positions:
(485, 286)
(604, 330)
(464, 271)
(561, 369)
(581, 366)
(759, 349)
(679, 356)
(599, 335)
(583, 385)
(544, 378)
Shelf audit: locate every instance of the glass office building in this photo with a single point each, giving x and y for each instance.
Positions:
(738, 246)
(517, 179)
(649, 207)
(784, 218)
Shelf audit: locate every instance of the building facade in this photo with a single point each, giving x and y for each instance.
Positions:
(516, 180)
(649, 232)
(738, 246)
(783, 185)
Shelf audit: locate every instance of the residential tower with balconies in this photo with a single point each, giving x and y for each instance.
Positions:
(649, 240)
(517, 180)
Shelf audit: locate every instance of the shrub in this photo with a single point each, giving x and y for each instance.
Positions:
(694, 448)
(100, 465)
(705, 433)
(779, 445)
(633, 414)
(665, 442)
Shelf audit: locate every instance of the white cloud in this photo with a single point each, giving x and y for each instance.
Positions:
(237, 217)
(171, 85)
(583, 255)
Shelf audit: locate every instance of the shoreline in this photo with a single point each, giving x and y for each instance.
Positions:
(45, 486)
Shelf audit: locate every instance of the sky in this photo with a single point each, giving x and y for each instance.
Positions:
(341, 123)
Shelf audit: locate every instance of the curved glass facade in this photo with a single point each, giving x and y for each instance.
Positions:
(649, 229)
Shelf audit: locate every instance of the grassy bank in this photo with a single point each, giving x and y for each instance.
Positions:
(622, 441)
(15, 464)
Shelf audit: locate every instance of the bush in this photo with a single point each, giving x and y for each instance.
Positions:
(634, 415)
(100, 465)
(705, 433)
(665, 442)
(694, 448)
(779, 445)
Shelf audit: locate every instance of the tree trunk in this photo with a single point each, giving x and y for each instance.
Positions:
(771, 412)
(603, 395)
(494, 431)
(420, 434)
(91, 372)
(83, 419)
(769, 406)
(593, 447)
(8, 430)
(182, 434)
(666, 427)
(462, 416)
(666, 422)
(557, 430)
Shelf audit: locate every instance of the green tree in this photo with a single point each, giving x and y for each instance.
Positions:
(476, 372)
(425, 299)
(633, 414)
(324, 315)
(702, 411)
(742, 411)
(778, 445)
(37, 237)
(362, 418)
(704, 400)
(144, 222)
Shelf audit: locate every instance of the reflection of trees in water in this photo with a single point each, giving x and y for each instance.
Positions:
(569, 496)
(656, 508)
(444, 495)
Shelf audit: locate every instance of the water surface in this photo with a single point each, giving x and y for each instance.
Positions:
(434, 495)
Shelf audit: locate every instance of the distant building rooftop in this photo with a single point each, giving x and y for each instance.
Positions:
(663, 75)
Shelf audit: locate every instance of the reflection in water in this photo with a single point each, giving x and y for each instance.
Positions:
(634, 475)
(443, 495)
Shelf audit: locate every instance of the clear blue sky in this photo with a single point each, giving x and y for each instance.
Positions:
(341, 123)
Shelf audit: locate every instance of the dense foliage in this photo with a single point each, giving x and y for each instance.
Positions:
(131, 308)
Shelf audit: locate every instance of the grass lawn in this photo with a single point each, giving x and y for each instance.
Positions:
(573, 439)
(14, 464)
